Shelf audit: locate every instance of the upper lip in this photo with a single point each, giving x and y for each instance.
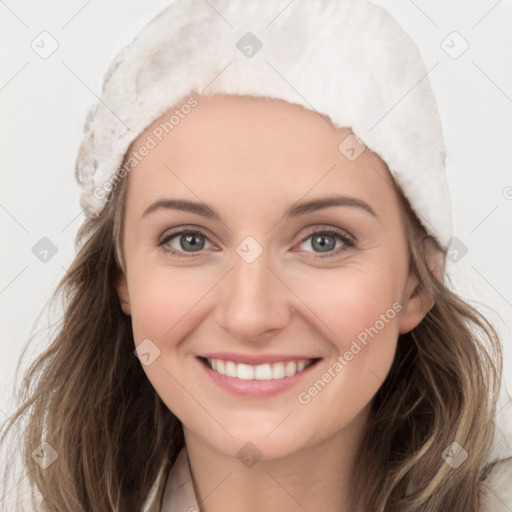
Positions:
(255, 360)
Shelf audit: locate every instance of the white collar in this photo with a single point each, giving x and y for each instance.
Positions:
(173, 489)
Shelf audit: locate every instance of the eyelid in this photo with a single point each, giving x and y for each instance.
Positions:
(348, 239)
(329, 229)
(182, 230)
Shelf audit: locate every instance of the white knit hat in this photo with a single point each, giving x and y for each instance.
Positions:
(346, 59)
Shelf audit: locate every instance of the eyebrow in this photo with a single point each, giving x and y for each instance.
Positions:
(295, 210)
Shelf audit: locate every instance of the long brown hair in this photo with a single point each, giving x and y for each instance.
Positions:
(87, 396)
(442, 389)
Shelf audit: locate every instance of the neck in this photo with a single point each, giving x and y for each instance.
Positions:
(317, 477)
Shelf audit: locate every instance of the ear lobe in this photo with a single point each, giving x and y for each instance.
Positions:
(123, 293)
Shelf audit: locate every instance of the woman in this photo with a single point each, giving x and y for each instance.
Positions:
(267, 236)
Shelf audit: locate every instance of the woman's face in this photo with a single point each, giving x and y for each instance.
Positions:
(234, 262)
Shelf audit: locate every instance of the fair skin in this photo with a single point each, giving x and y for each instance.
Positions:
(250, 160)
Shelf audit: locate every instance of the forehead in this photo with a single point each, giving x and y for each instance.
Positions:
(230, 147)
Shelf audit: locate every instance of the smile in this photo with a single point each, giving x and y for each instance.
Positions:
(268, 371)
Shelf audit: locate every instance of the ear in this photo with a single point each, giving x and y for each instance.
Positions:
(416, 304)
(123, 293)
(417, 301)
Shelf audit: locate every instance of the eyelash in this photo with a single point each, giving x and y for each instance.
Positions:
(347, 240)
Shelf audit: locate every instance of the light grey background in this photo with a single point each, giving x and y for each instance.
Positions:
(44, 102)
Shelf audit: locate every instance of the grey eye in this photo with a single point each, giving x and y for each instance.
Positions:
(191, 241)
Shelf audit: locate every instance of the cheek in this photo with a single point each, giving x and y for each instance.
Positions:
(352, 301)
(165, 309)
(368, 311)
(161, 299)
(361, 314)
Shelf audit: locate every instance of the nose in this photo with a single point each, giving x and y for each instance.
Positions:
(253, 300)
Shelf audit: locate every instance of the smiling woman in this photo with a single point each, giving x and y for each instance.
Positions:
(270, 319)
(188, 290)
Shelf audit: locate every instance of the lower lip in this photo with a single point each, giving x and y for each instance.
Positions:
(255, 388)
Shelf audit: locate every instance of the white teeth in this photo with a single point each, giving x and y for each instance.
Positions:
(244, 371)
(230, 369)
(278, 371)
(261, 372)
(290, 368)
